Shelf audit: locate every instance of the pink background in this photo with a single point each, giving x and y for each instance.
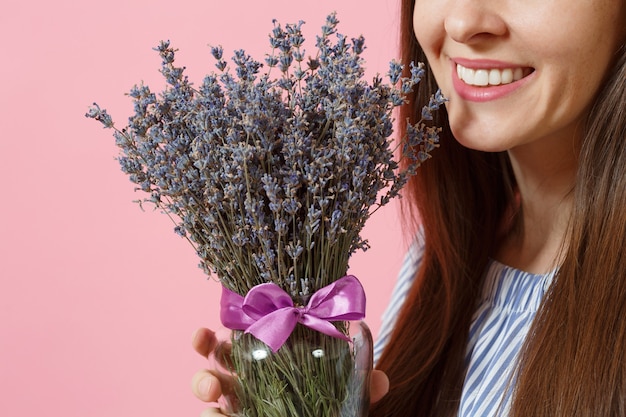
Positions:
(98, 300)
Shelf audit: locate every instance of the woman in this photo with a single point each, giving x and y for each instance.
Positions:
(517, 301)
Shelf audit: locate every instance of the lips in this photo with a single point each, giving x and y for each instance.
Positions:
(487, 80)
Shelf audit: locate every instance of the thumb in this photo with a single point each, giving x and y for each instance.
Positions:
(379, 385)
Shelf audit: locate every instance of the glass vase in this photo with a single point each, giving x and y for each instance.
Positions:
(311, 375)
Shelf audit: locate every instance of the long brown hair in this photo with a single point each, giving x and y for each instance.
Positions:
(573, 362)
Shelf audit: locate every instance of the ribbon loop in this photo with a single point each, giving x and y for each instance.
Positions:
(268, 313)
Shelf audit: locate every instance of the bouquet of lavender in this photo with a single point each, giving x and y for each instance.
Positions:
(271, 177)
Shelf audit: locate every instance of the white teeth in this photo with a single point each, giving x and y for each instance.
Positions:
(481, 77)
(495, 77)
(468, 74)
(484, 77)
(507, 76)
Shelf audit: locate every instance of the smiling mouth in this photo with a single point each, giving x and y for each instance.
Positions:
(489, 77)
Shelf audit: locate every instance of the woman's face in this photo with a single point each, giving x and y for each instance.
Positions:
(516, 71)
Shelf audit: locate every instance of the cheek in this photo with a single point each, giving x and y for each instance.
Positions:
(578, 67)
(430, 34)
(427, 24)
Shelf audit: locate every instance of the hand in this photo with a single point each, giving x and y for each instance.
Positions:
(209, 385)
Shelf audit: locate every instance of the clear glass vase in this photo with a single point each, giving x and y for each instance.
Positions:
(311, 375)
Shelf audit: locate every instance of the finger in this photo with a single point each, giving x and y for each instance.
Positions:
(379, 386)
(204, 341)
(209, 385)
(206, 386)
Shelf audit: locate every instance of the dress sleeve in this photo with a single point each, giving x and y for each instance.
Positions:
(406, 276)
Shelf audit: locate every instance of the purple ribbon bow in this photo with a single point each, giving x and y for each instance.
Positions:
(268, 313)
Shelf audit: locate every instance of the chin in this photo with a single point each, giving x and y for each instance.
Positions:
(479, 142)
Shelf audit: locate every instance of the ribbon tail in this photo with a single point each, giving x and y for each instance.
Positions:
(322, 326)
(274, 329)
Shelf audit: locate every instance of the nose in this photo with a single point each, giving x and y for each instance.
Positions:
(470, 21)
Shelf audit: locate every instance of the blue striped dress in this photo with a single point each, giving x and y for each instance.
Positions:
(510, 298)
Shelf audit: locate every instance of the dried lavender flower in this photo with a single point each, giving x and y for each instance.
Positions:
(272, 176)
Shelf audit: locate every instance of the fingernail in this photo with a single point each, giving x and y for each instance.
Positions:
(205, 385)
